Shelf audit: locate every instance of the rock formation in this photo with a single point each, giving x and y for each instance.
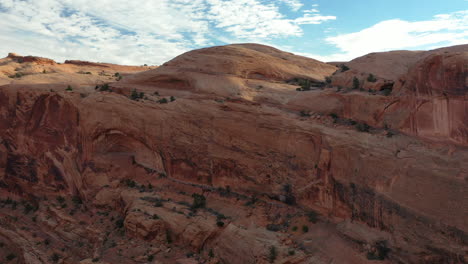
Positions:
(237, 154)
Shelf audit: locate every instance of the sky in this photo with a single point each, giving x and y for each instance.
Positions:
(137, 32)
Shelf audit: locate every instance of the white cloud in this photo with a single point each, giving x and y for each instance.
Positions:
(293, 4)
(140, 31)
(442, 30)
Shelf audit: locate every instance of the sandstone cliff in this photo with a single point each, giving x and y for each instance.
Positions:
(237, 154)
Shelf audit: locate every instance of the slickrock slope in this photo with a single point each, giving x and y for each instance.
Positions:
(236, 154)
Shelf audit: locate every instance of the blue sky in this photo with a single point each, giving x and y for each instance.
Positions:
(152, 32)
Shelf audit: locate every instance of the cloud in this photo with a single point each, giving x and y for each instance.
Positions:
(442, 30)
(293, 4)
(140, 31)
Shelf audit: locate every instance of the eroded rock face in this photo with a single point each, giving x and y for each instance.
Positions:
(119, 181)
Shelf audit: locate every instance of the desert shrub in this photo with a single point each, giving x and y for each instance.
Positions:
(356, 83)
(379, 251)
(211, 254)
(328, 80)
(172, 98)
(371, 78)
(134, 95)
(305, 229)
(294, 228)
(344, 68)
(150, 258)
(273, 254)
(116, 74)
(220, 223)
(386, 92)
(10, 257)
(55, 257)
(304, 113)
(95, 259)
(119, 223)
(334, 116)
(69, 88)
(168, 236)
(273, 227)
(362, 127)
(77, 200)
(60, 199)
(313, 216)
(291, 252)
(104, 88)
(199, 201)
(163, 101)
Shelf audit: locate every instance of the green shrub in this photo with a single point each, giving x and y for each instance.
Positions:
(10, 257)
(60, 199)
(313, 216)
(305, 229)
(55, 257)
(211, 254)
(199, 201)
(328, 79)
(163, 101)
(344, 68)
(362, 127)
(220, 223)
(304, 113)
(273, 227)
(172, 98)
(104, 88)
(119, 223)
(386, 92)
(69, 88)
(356, 83)
(273, 254)
(379, 251)
(334, 116)
(291, 252)
(371, 78)
(150, 258)
(294, 228)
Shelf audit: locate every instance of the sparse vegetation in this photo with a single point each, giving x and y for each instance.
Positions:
(172, 98)
(69, 88)
(356, 83)
(379, 251)
(328, 79)
(119, 223)
(344, 68)
(313, 216)
(55, 257)
(135, 95)
(273, 227)
(199, 201)
(10, 257)
(335, 117)
(163, 101)
(371, 78)
(103, 88)
(294, 228)
(304, 113)
(211, 254)
(273, 254)
(362, 127)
